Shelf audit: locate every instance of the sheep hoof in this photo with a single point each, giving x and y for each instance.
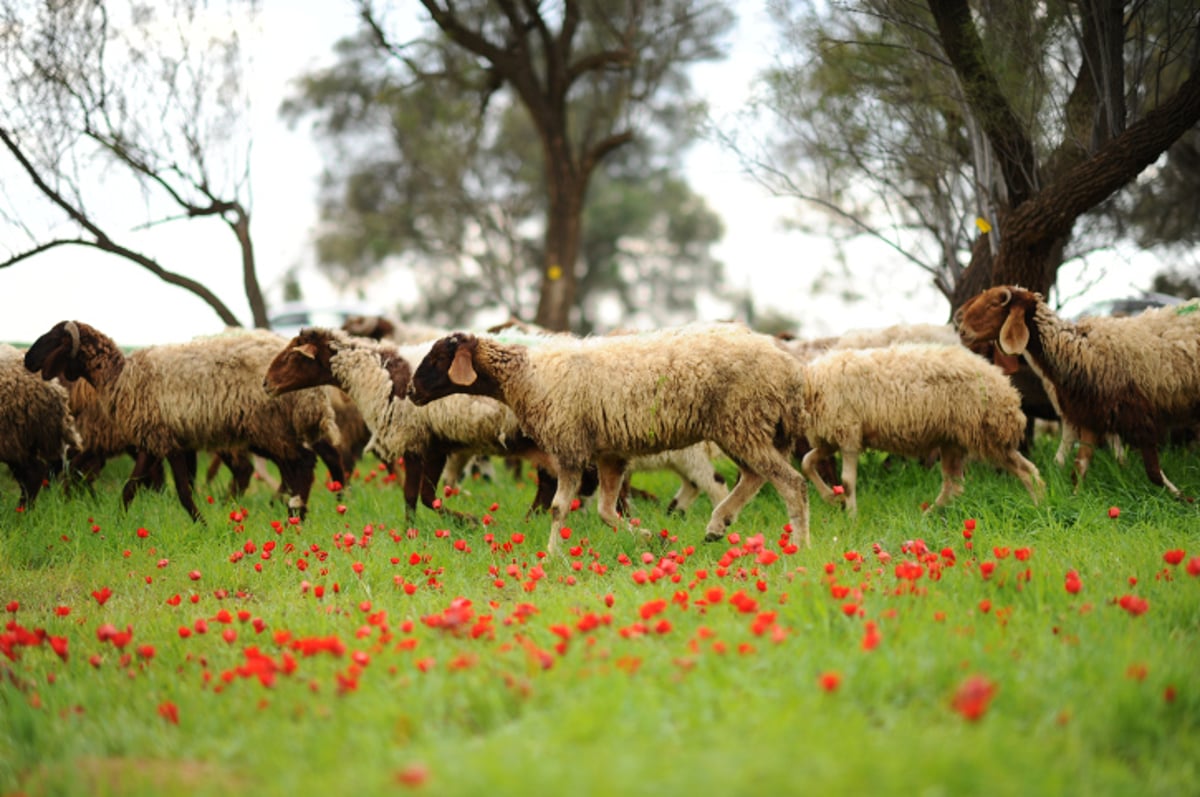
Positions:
(713, 536)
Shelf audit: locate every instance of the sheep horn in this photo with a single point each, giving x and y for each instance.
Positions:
(72, 329)
(1006, 296)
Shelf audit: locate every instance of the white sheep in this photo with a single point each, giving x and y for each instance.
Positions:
(36, 426)
(438, 439)
(1134, 377)
(173, 400)
(912, 399)
(605, 400)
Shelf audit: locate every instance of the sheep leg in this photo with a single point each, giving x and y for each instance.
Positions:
(684, 497)
(413, 472)
(1155, 474)
(810, 465)
(1083, 457)
(332, 459)
(1070, 435)
(953, 463)
(429, 467)
(142, 464)
(297, 476)
(850, 480)
(1027, 472)
(239, 465)
(547, 485)
(611, 476)
(568, 488)
(29, 477)
(183, 467)
(793, 487)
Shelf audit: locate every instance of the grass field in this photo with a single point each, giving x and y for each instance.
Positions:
(941, 654)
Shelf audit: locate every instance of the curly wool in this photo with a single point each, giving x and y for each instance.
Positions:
(36, 424)
(908, 399)
(207, 394)
(1135, 377)
(479, 424)
(642, 393)
(607, 400)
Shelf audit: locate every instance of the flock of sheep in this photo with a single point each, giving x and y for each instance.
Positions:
(586, 412)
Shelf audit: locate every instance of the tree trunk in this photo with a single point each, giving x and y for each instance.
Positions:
(1034, 233)
(564, 228)
(258, 305)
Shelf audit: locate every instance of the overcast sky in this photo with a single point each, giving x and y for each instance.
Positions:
(135, 308)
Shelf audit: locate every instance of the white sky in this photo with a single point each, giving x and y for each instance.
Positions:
(135, 308)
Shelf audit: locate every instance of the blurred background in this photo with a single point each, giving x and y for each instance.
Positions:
(170, 169)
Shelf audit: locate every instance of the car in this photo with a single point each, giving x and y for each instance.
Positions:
(290, 317)
(1130, 305)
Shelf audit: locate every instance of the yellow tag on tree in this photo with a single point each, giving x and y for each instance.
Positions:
(982, 224)
(554, 273)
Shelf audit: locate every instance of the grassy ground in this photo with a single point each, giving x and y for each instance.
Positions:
(901, 654)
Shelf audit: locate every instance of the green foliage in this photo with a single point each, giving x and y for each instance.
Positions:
(873, 127)
(455, 657)
(444, 165)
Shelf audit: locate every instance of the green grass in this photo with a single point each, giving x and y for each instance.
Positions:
(460, 684)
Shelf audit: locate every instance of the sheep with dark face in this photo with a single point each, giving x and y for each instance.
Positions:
(375, 375)
(606, 400)
(172, 400)
(36, 426)
(1134, 377)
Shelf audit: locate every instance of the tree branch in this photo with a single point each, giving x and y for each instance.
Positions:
(987, 102)
(1115, 165)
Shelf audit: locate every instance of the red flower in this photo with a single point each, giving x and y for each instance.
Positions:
(651, 608)
(1193, 566)
(871, 637)
(973, 696)
(12, 607)
(1073, 584)
(830, 681)
(1134, 605)
(102, 595)
(413, 775)
(1173, 557)
(169, 711)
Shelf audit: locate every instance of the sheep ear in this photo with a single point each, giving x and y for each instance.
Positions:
(462, 372)
(308, 350)
(1014, 335)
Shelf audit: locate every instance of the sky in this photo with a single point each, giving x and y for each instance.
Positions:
(760, 255)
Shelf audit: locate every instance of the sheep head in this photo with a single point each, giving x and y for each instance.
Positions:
(374, 327)
(998, 314)
(60, 352)
(304, 362)
(450, 367)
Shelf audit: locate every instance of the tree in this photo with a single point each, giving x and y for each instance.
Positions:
(151, 97)
(1026, 116)
(588, 78)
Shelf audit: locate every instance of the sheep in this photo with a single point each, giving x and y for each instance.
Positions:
(943, 334)
(375, 375)
(173, 400)
(604, 400)
(912, 399)
(380, 328)
(1134, 377)
(36, 426)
